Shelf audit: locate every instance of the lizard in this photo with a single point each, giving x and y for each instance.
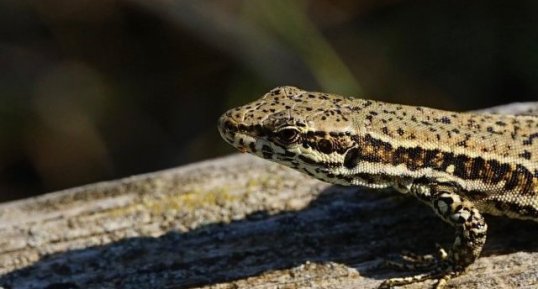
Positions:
(461, 164)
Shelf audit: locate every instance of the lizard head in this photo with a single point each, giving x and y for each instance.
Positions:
(308, 131)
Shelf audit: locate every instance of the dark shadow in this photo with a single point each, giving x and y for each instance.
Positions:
(342, 225)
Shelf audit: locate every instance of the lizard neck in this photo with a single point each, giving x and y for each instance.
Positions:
(362, 142)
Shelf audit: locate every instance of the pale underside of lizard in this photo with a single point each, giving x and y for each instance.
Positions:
(460, 164)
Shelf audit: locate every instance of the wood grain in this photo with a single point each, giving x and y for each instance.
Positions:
(238, 222)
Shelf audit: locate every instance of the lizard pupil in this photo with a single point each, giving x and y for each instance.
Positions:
(288, 135)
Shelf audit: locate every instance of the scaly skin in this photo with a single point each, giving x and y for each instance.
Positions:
(460, 164)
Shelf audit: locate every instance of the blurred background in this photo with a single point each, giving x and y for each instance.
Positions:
(93, 90)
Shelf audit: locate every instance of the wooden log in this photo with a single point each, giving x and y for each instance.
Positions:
(238, 222)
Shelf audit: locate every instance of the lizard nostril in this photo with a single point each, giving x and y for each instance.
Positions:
(228, 125)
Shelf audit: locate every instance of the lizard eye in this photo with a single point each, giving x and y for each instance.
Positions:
(287, 135)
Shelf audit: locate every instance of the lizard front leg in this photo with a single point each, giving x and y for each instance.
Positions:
(470, 232)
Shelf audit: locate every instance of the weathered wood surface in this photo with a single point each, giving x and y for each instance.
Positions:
(238, 222)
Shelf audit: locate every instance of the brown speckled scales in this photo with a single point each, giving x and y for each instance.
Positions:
(461, 164)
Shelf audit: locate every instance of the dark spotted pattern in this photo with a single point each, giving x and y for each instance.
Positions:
(369, 149)
(458, 163)
(459, 144)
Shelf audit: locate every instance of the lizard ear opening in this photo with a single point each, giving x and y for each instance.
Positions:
(325, 146)
(351, 159)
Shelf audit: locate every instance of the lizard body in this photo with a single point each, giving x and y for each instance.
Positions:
(460, 164)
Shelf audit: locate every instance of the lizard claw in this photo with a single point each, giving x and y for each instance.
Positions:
(441, 279)
(439, 267)
(413, 261)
